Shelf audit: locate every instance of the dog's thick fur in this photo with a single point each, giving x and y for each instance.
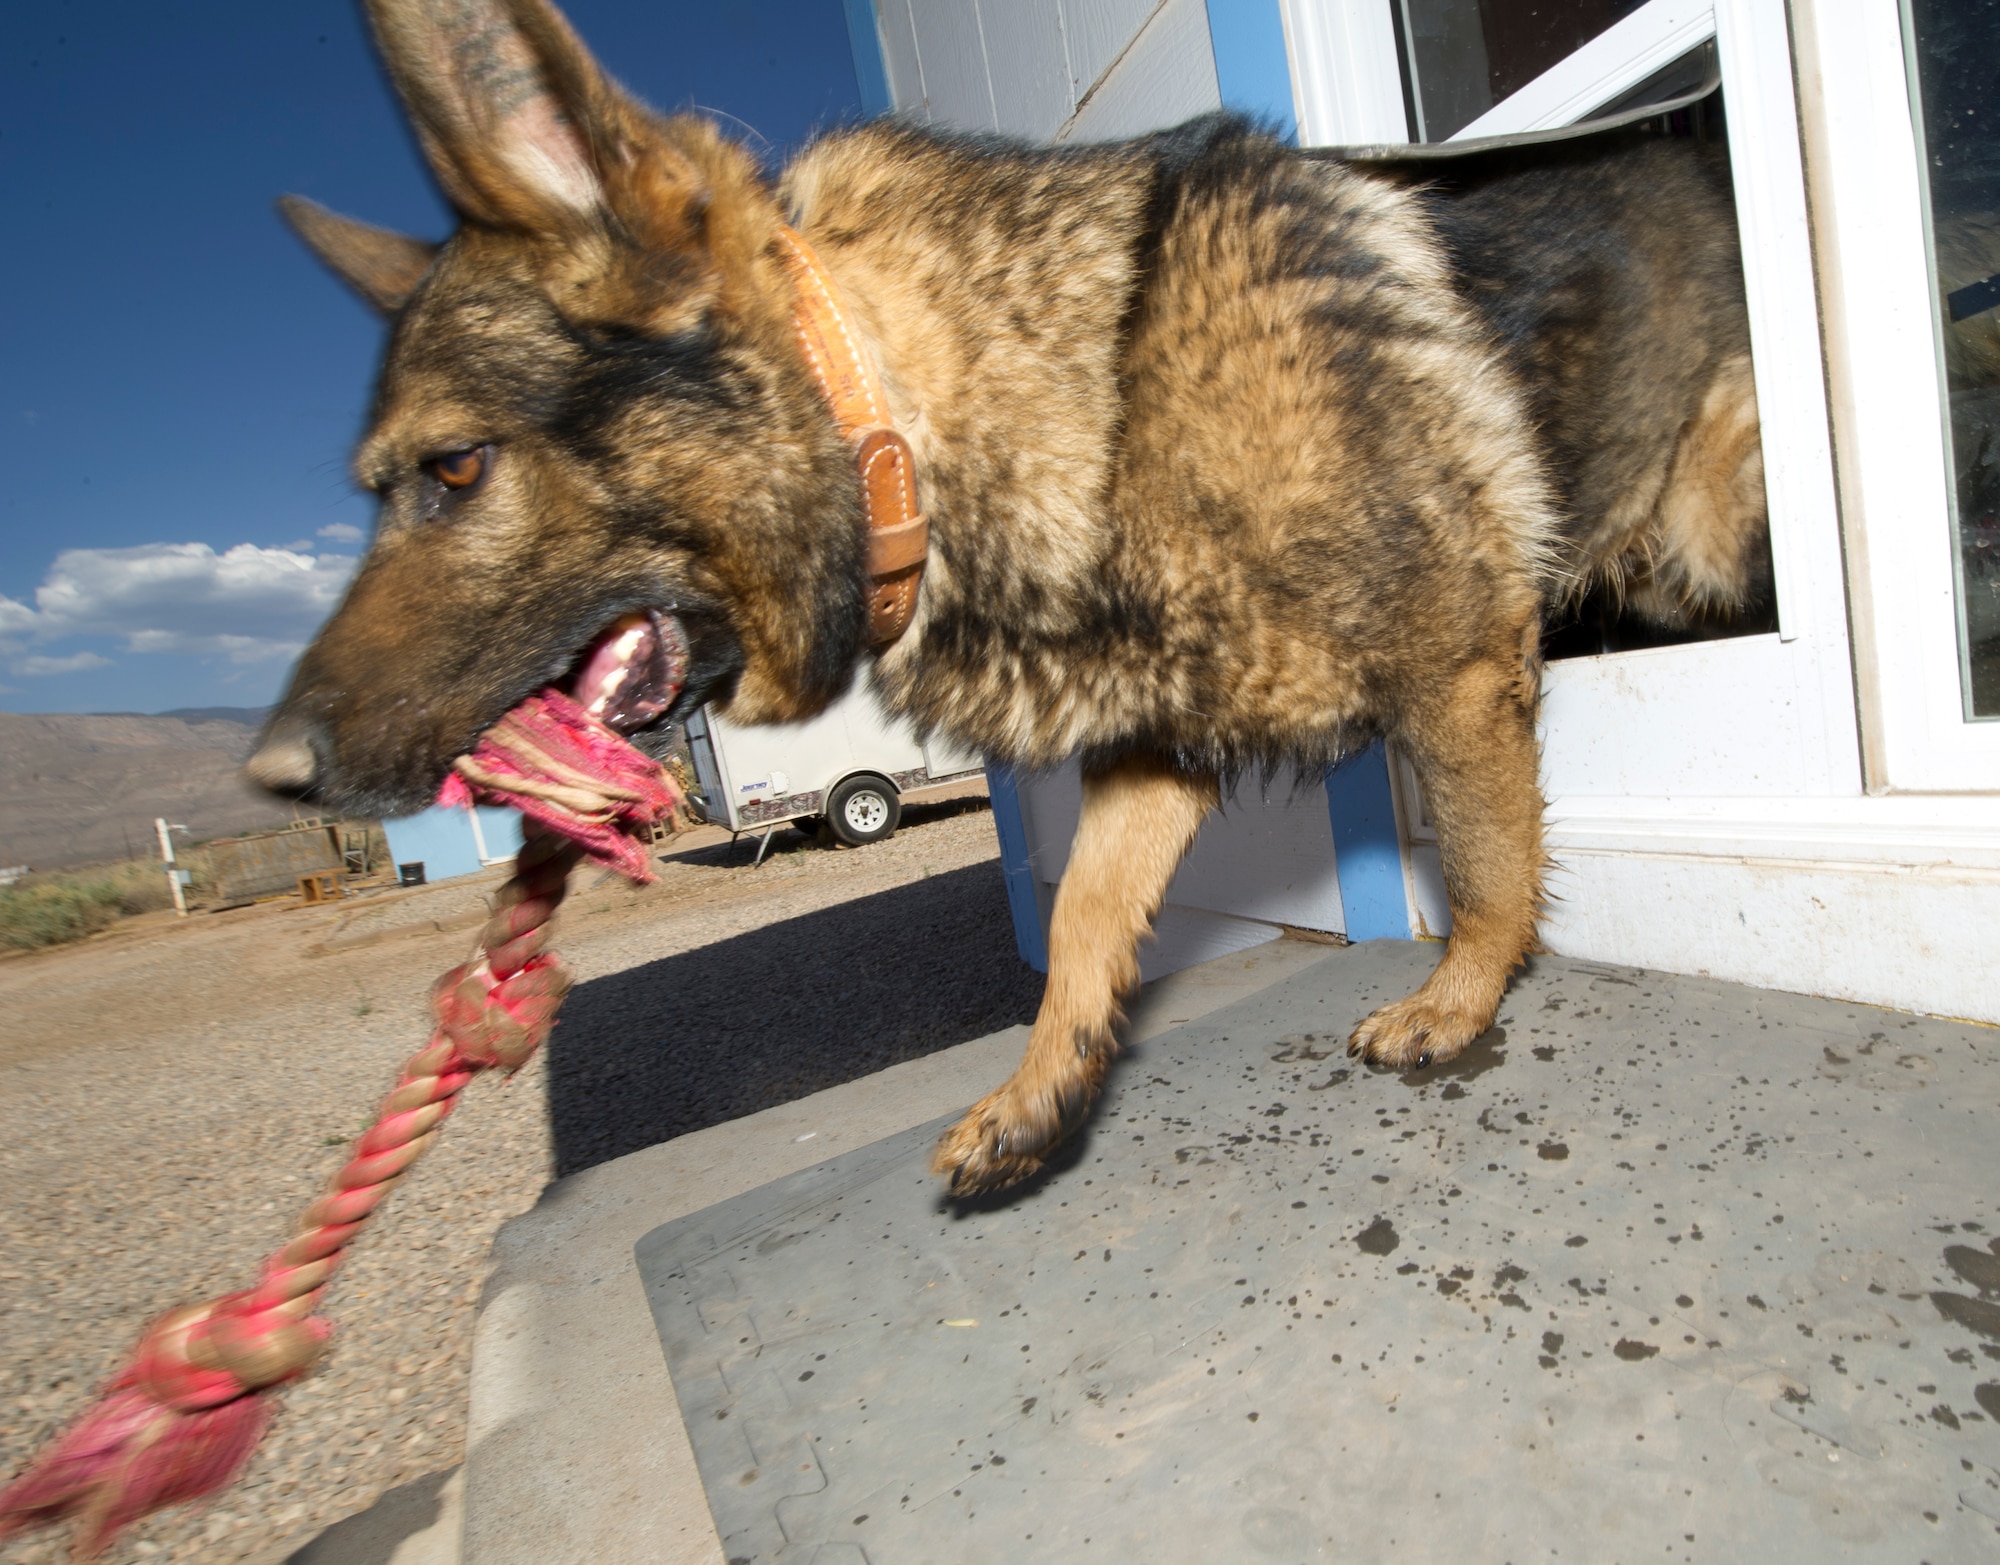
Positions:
(1233, 457)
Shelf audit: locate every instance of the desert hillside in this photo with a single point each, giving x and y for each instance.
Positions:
(79, 788)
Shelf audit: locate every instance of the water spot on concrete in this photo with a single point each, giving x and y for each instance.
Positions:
(1276, 1533)
(1452, 1090)
(1552, 1151)
(1987, 1395)
(1943, 1414)
(1754, 1302)
(1378, 1238)
(1632, 1352)
(1973, 1314)
(1552, 1342)
(1975, 1266)
(1545, 1053)
(1576, 1241)
(1508, 1275)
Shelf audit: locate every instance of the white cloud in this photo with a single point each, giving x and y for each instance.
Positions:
(341, 532)
(76, 662)
(247, 603)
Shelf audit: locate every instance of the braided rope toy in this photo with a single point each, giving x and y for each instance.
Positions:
(182, 1418)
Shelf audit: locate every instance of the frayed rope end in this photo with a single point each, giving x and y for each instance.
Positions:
(128, 1456)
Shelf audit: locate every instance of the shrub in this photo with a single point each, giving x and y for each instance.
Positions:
(47, 910)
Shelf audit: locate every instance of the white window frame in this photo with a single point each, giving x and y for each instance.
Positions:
(1614, 62)
(1877, 297)
(1887, 579)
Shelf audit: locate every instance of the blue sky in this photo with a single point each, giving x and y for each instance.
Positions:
(179, 380)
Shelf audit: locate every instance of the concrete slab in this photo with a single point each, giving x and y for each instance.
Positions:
(1663, 1268)
(576, 1449)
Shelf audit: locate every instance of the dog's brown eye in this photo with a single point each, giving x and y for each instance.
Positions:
(458, 469)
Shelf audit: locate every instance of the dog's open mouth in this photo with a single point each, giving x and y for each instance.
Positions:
(563, 758)
(633, 672)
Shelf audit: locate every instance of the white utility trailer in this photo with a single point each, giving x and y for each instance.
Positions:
(852, 766)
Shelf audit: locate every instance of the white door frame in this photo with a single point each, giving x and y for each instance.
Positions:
(1878, 299)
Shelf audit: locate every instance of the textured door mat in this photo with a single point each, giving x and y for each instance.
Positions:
(1661, 1269)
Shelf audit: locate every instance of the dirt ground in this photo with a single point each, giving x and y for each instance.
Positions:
(176, 1090)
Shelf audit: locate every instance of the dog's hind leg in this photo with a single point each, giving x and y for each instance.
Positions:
(1474, 750)
(1139, 816)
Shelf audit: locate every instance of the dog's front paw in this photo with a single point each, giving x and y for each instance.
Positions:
(1000, 1142)
(1413, 1033)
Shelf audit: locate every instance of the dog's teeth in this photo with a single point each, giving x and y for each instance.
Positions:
(610, 666)
(624, 649)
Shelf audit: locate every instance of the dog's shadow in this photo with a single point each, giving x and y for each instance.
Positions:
(765, 1017)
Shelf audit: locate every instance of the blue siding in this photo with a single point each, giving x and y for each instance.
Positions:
(1367, 853)
(865, 38)
(1014, 865)
(441, 839)
(1251, 66)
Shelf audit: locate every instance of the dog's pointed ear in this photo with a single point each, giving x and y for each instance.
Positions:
(521, 126)
(382, 266)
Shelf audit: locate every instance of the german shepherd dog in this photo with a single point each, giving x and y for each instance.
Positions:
(1232, 457)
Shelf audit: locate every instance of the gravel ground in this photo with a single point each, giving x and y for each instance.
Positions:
(175, 1091)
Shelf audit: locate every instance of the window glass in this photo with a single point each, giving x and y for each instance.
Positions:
(1463, 56)
(1954, 48)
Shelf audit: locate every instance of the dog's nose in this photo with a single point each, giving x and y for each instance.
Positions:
(285, 763)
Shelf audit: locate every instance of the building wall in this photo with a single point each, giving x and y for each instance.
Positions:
(1049, 70)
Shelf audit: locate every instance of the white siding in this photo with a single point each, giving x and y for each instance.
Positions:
(1027, 60)
(1166, 75)
(1050, 70)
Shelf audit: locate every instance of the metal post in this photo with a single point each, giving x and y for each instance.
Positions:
(478, 836)
(167, 855)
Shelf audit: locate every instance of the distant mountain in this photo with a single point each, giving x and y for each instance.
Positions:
(81, 788)
(248, 716)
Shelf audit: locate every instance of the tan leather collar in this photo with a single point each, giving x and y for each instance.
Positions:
(898, 534)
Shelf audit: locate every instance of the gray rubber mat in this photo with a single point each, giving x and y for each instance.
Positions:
(1662, 1269)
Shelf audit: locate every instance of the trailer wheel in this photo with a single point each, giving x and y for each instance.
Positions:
(863, 810)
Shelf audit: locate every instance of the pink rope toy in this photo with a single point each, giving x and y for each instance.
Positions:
(184, 1415)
